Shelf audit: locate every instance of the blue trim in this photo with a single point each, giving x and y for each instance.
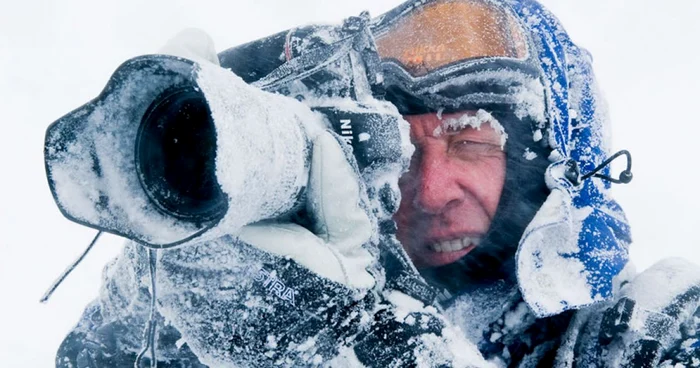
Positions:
(603, 233)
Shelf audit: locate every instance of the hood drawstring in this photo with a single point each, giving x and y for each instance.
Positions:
(573, 173)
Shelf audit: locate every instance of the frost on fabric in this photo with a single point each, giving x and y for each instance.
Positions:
(548, 278)
(474, 121)
(213, 294)
(91, 159)
(474, 312)
(667, 278)
(263, 147)
(450, 349)
(262, 151)
(584, 88)
(526, 93)
(529, 155)
(346, 358)
(537, 136)
(389, 139)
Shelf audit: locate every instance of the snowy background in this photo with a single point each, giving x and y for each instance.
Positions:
(55, 56)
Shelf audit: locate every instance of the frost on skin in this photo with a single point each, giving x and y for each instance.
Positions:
(473, 121)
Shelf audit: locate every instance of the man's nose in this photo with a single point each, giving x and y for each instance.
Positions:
(438, 187)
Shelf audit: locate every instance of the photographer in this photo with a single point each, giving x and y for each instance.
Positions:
(519, 254)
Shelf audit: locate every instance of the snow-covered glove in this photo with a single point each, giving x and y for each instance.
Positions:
(279, 293)
(334, 250)
(654, 323)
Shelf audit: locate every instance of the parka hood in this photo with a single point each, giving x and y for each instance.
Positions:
(578, 241)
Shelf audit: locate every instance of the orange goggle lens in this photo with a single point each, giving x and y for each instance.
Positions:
(446, 32)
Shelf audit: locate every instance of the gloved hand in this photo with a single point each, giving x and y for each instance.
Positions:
(286, 294)
(278, 286)
(303, 291)
(341, 226)
(654, 323)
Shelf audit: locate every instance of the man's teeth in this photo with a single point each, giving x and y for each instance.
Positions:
(454, 245)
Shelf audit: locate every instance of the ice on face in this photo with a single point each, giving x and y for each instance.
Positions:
(474, 121)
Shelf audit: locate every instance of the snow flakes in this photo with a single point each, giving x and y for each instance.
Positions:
(529, 155)
(537, 136)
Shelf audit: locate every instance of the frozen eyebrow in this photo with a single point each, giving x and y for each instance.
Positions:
(474, 121)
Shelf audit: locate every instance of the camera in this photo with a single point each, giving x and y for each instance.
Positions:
(170, 152)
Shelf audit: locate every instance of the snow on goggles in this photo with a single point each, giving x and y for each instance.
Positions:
(442, 33)
(428, 51)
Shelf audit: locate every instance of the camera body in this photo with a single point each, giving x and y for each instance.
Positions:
(169, 153)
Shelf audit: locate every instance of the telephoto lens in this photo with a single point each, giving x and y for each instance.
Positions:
(175, 151)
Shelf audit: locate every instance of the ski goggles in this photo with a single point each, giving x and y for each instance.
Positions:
(451, 54)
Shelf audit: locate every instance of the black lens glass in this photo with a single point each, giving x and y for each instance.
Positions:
(176, 156)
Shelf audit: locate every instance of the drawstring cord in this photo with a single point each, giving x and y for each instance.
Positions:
(574, 176)
(149, 333)
(68, 270)
(625, 176)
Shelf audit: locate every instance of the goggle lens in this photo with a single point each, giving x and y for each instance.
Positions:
(446, 32)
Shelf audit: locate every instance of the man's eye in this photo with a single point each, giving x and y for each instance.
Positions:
(468, 150)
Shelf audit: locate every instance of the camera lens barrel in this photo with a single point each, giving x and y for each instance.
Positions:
(176, 156)
(173, 151)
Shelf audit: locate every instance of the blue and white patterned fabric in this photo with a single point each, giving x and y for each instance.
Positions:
(578, 241)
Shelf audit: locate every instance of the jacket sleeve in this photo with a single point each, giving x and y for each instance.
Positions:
(237, 305)
(110, 332)
(225, 303)
(653, 323)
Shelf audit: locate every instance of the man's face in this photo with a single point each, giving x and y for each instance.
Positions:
(451, 191)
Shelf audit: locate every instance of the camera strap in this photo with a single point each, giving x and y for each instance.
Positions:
(69, 269)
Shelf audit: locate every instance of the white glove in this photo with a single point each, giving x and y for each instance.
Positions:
(193, 44)
(334, 247)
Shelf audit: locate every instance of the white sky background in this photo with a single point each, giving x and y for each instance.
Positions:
(57, 55)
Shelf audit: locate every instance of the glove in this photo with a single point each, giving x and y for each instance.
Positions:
(341, 226)
(311, 296)
(193, 44)
(281, 294)
(654, 323)
(301, 291)
(334, 250)
(277, 292)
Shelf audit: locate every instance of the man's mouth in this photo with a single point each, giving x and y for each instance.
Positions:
(454, 244)
(440, 253)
